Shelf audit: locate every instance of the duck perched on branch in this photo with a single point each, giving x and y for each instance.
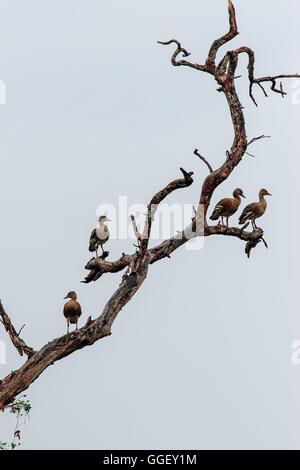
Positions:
(255, 210)
(227, 207)
(72, 310)
(99, 235)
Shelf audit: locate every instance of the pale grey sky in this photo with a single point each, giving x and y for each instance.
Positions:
(201, 357)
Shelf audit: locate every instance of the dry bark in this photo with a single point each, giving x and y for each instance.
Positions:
(137, 264)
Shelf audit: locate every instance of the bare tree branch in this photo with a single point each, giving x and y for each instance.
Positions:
(233, 32)
(184, 182)
(19, 343)
(167, 247)
(181, 50)
(258, 81)
(255, 139)
(135, 229)
(196, 152)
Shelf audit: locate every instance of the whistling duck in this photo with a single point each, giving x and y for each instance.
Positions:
(99, 235)
(227, 207)
(72, 310)
(255, 210)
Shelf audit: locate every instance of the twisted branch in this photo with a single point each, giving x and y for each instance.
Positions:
(232, 33)
(185, 53)
(258, 81)
(18, 342)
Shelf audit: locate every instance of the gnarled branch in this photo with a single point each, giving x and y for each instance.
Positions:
(185, 53)
(258, 81)
(184, 182)
(232, 33)
(18, 342)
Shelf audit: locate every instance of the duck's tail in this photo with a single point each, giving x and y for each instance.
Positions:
(216, 213)
(246, 215)
(242, 219)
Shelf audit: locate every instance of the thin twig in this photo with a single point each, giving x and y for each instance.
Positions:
(255, 139)
(18, 334)
(135, 228)
(196, 152)
(19, 343)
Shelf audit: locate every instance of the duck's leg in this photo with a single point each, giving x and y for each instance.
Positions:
(222, 221)
(253, 224)
(97, 252)
(68, 327)
(227, 218)
(102, 250)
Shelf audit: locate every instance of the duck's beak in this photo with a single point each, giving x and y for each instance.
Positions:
(243, 196)
(108, 220)
(269, 194)
(66, 297)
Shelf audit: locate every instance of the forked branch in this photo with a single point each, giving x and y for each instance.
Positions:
(259, 81)
(18, 342)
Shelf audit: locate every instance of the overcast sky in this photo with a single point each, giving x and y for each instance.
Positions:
(201, 357)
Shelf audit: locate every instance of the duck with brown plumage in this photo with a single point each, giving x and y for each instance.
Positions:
(72, 310)
(255, 210)
(227, 207)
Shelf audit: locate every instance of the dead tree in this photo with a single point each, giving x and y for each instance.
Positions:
(136, 265)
